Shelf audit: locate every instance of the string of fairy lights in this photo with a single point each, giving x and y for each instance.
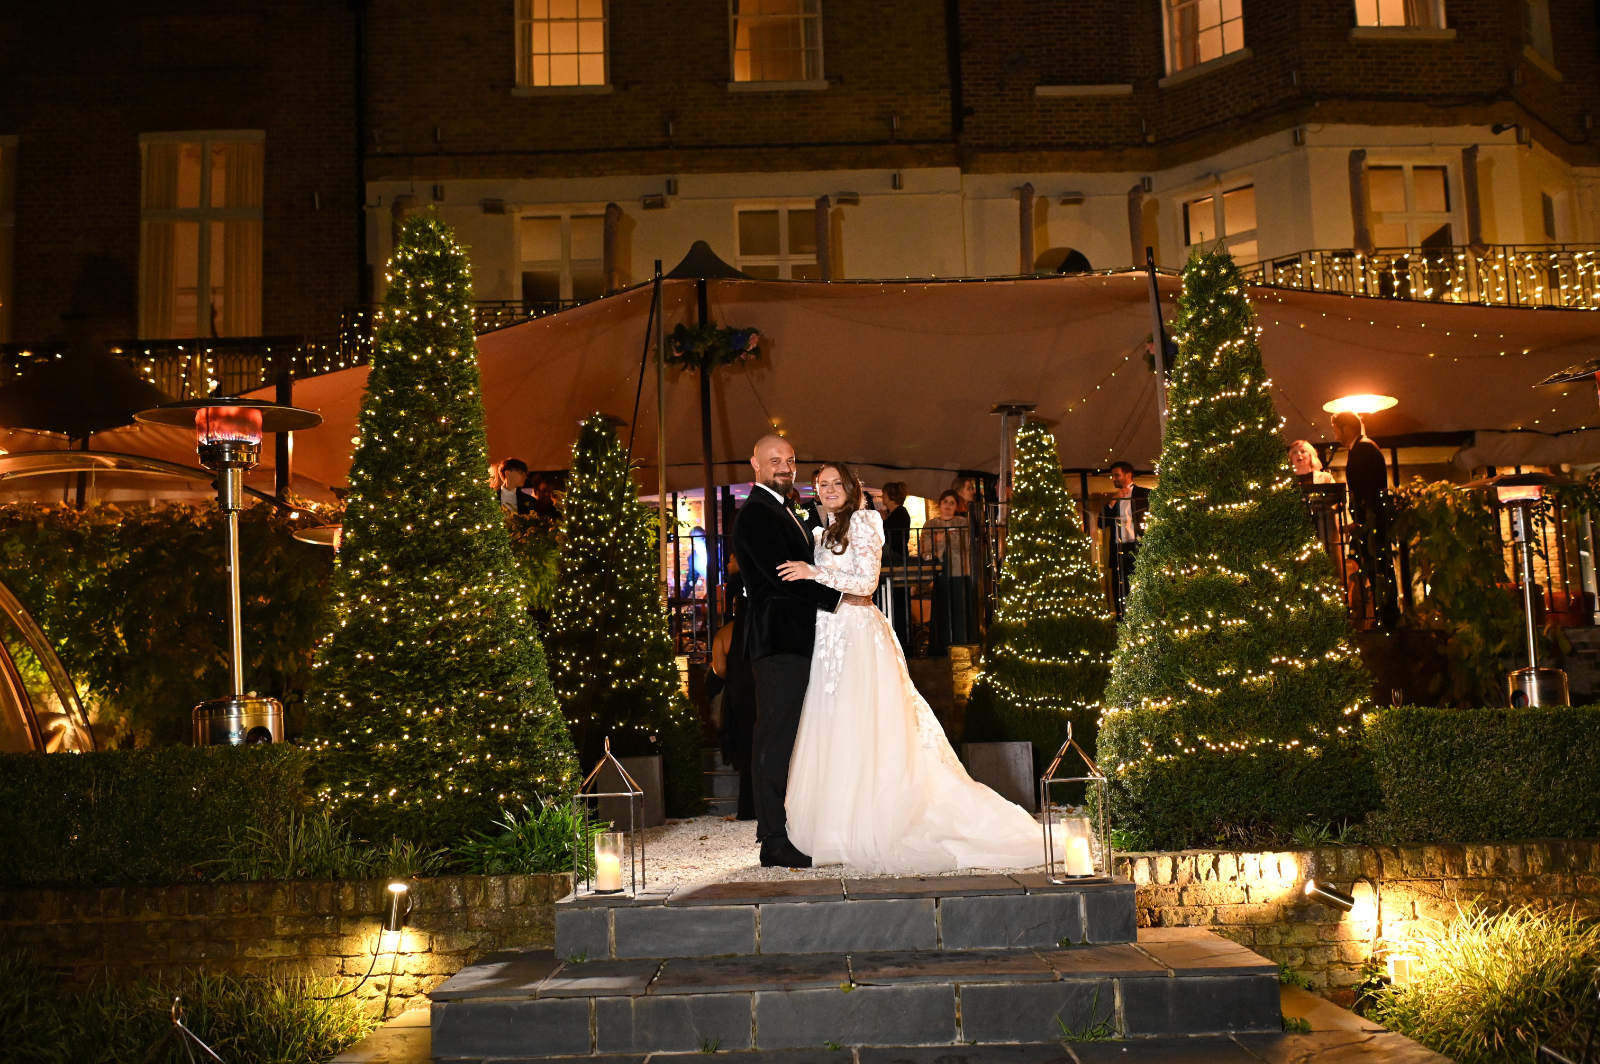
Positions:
(1052, 650)
(1225, 609)
(432, 674)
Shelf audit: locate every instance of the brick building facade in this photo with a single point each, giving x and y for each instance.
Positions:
(963, 137)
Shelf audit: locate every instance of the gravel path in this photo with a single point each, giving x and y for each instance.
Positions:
(712, 849)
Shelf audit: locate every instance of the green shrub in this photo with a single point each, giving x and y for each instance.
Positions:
(134, 602)
(611, 654)
(536, 842)
(431, 681)
(139, 816)
(1493, 987)
(1234, 695)
(1465, 775)
(1048, 652)
(245, 1021)
(316, 846)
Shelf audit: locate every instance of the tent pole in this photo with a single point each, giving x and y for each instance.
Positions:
(708, 504)
(661, 432)
(1158, 341)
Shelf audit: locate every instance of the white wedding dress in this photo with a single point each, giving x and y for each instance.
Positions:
(873, 783)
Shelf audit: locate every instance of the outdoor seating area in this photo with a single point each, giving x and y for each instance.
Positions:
(481, 730)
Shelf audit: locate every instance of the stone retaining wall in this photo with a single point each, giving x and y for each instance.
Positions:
(1256, 899)
(311, 928)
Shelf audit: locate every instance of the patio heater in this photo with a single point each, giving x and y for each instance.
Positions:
(228, 439)
(1532, 685)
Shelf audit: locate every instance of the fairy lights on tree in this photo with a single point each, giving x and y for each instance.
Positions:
(430, 686)
(1234, 694)
(611, 659)
(1049, 649)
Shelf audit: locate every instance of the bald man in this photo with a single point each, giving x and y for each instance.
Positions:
(780, 625)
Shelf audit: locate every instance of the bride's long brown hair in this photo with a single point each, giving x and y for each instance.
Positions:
(836, 534)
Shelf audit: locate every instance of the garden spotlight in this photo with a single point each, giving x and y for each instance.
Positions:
(1330, 895)
(399, 909)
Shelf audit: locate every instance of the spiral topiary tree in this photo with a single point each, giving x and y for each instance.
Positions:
(1233, 703)
(430, 687)
(1049, 648)
(611, 659)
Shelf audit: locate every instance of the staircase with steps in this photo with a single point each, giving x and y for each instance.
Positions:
(954, 961)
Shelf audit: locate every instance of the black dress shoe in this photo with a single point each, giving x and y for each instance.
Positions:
(783, 855)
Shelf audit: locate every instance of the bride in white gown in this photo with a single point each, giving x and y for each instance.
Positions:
(873, 783)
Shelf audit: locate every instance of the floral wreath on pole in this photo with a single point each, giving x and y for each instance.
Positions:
(709, 345)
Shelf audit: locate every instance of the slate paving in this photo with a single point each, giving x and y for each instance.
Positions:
(937, 970)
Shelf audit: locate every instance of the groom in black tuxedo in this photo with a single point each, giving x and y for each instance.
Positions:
(780, 625)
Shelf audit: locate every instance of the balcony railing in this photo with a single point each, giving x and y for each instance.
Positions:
(191, 367)
(1503, 275)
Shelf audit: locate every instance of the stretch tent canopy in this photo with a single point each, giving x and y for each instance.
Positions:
(899, 377)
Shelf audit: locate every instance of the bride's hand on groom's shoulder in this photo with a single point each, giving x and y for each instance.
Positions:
(797, 571)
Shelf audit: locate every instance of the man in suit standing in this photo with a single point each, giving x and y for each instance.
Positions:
(780, 626)
(1123, 519)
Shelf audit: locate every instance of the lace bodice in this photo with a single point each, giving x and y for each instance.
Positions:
(855, 572)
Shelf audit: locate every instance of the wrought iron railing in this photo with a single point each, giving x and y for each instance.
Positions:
(1506, 275)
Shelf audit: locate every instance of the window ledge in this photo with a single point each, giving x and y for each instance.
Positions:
(1083, 90)
(561, 90)
(778, 86)
(1400, 33)
(1202, 69)
(1542, 61)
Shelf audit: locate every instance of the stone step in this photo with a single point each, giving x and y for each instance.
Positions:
(1172, 981)
(722, 806)
(837, 915)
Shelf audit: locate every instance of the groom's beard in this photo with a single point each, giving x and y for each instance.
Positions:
(780, 484)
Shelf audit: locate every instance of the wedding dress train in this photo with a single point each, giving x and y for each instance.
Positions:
(873, 782)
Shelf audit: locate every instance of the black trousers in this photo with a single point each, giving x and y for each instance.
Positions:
(780, 692)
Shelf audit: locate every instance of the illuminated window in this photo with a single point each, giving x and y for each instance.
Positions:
(561, 43)
(776, 40)
(1228, 219)
(1199, 31)
(779, 242)
(200, 244)
(8, 230)
(1408, 14)
(1410, 206)
(563, 259)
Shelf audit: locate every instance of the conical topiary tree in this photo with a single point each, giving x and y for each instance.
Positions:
(1049, 648)
(1234, 692)
(430, 687)
(611, 659)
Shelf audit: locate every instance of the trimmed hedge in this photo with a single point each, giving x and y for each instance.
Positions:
(139, 816)
(1473, 775)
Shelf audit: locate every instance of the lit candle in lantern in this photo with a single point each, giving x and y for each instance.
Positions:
(1077, 859)
(608, 863)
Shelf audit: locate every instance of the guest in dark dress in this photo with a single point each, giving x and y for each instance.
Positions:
(1366, 476)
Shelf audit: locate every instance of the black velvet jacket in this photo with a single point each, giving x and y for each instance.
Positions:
(782, 615)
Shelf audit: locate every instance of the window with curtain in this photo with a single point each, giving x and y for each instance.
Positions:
(1410, 206)
(200, 246)
(1408, 14)
(563, 258)
(779, 243)
(561, 43)
(776, 40)
(1227, 219)
(8, 230)
(1199, 31)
